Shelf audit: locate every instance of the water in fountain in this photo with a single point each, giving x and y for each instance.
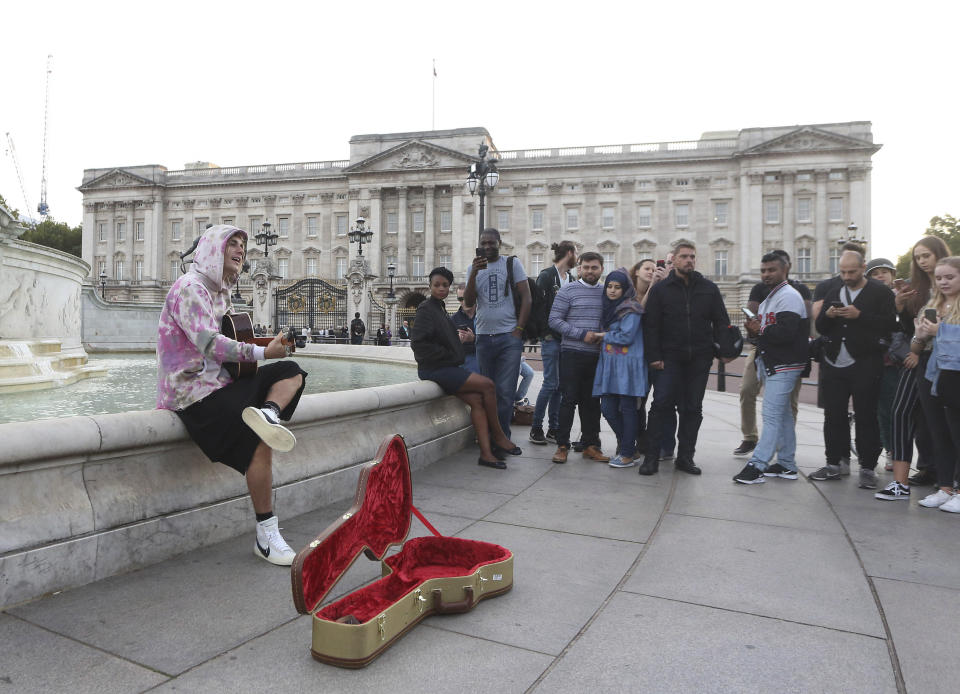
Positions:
(131, 384)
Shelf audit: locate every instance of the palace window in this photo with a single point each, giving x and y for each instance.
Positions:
(802, 177)
(835, 209)
(720, 211)
(392, 223)
(283, 227)
(341, 267)
(418, 222)
(138, 272)
(573, 218)
(606, 217)
(175, 231)
(313, 224)
(645, 255)
(503, 220)
(803, 210)
(644, 216)
(283, 268)
(803, 261)
(311, 267)
(446, 221)
(201, 226)
(418, 270)
(609, 260)
(720, 263)
(536, 264)
(836, 175)
(771, 214)
(118, 269)
(834, 260)
(101, 267)
(607, 185)
(138, 231)
(102, 231)
(536, 220)
(682, 214)
(341, 225)
(121, 229)
(444, 259)
(174, 270)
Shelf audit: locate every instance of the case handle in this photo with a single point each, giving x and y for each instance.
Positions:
(464, 605)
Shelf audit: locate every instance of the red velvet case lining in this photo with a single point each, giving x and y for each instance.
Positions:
(421, 558)
(382, 520)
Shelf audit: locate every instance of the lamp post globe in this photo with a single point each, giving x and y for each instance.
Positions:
(266, 238)
(391, 272)
(483, 176)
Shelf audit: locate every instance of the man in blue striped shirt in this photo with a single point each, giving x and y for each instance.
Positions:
(576, 315)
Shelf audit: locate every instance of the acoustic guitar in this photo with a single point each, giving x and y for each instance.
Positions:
(239, 327)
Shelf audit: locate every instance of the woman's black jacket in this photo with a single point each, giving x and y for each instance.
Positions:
(434, 337)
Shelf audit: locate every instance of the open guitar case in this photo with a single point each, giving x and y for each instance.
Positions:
(433, 574)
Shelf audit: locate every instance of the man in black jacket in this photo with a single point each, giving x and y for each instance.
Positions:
(357, 329)
(856, 318)
(684, 316)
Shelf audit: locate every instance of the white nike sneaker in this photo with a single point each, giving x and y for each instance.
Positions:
(265, 424)
(270, 544)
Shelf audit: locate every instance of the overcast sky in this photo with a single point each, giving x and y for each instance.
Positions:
(252, 82)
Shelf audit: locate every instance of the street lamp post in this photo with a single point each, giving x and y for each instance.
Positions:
(853, 237)
(483, 176)
(359, 234)
(266, 238)
(103, 285)
(391, 271)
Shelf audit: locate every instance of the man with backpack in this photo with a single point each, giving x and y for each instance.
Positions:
(493, 283)
(549, 282)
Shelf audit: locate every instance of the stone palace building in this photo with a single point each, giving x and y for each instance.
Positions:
(735, 194)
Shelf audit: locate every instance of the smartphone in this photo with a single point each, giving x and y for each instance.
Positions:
(836, 304)
(748, 313)
(481, 254)
(898, 283)
(661, 263)
(930, 314)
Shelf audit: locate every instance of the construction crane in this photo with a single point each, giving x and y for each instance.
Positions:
(12, 151)
(43, 208)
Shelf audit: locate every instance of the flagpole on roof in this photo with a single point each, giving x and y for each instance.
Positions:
(433, 109)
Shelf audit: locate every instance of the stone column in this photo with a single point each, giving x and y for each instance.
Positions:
(664, 213)
(821, 262)
(589, 220)
(131, 246)
(553, 224)
(327, 236)
(789, 215)
(626, 227)
(755, 222)
(379, 232)
(460, 234)
(858, 210)
(701, 219)
(743, 224)
(353, 211)
(189, 230)
(89, 238)
(429, 238)
(402, 242)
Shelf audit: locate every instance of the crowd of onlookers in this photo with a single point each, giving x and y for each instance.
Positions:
(636, 346)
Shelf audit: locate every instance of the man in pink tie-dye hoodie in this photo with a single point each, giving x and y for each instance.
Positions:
(234, 422)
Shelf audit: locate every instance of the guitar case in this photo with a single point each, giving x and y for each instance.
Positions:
(429, 575)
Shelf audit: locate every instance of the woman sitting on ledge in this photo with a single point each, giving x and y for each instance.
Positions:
(439, 354)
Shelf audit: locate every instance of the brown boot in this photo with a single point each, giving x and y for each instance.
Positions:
(561, 455)
(594, 453)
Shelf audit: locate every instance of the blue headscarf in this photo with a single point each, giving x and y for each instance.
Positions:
(627, 303)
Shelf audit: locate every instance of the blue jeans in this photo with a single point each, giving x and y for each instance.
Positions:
(620, 411)
(499, 359)
(779, 435)
(526, 378)
(470, 363)
(549, 396)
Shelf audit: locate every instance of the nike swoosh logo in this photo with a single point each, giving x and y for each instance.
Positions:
(264, 552)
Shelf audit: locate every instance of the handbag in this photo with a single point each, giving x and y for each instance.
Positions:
(522, 415)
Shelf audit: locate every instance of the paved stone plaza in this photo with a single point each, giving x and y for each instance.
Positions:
(623, 583)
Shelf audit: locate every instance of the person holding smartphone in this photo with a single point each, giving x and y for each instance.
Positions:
(937, 335)
(499, 336)
(857, 325)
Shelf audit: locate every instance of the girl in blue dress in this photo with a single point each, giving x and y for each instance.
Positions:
(621, 378)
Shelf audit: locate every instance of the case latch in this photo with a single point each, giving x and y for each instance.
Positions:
(381, 625)
(481, 580)
(419, 599)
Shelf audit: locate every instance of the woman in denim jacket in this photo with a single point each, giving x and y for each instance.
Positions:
(621, 378)
(940, 389)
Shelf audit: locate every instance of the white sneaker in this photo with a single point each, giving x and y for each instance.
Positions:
(266, 425)
(952, 506)
(937, 499)
(270, 545)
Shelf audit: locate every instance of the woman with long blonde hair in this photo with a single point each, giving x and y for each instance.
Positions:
(908, 421)
(938, 335)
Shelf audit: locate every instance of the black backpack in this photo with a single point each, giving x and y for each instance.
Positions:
(536, 324)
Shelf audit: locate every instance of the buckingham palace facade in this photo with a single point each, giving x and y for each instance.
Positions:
(735, 194)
